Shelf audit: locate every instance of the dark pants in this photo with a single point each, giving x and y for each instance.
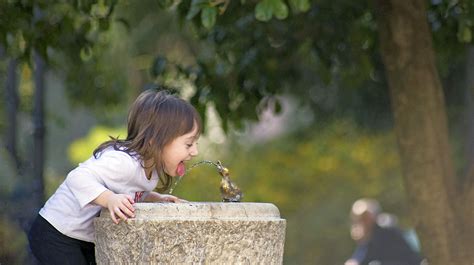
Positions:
(50, 246)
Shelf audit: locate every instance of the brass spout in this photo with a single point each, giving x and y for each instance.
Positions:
(230, 192)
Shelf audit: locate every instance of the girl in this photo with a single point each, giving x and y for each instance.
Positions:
(162, 134)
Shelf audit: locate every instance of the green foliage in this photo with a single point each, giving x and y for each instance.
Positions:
(40, 25)
(208, 16)
(308, 54)
(300, 5)
(323, 52)
(70, 34)
(208, 10)
(266, 9)
(462, 11)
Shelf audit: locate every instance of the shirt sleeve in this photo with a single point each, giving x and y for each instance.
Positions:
(96, 175)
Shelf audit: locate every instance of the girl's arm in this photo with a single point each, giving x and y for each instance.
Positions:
(119, 205)
(157, 197)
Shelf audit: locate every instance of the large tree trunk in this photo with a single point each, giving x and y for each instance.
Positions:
(469, 112)
(441, 210)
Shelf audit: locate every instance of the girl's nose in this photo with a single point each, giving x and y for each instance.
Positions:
(194, 150)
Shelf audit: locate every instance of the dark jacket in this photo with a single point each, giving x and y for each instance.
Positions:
(388, 247)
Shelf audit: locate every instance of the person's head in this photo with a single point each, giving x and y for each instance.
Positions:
(364, 214)
(162, 131)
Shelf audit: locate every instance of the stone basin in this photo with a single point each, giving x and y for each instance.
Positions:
(193, 233)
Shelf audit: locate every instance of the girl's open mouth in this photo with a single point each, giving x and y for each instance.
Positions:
(181, 169)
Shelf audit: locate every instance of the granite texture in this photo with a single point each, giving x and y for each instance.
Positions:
(193, 233)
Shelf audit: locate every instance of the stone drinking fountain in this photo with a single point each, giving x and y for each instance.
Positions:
(228, 232)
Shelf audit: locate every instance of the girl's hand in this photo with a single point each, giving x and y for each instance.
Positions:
(121, 206)
(170, 198)
(158, 197)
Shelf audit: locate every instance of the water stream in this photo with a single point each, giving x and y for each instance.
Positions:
(230, 192)
(189, 169)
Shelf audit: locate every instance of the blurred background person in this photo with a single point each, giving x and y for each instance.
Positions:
(378, 239)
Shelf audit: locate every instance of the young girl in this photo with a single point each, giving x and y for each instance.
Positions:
(162, 135)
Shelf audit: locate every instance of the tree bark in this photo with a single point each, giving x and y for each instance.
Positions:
(11, 104)
(469, 112)
(38, 130)
(440, 209)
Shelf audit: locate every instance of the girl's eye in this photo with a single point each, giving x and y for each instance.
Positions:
(191, 144)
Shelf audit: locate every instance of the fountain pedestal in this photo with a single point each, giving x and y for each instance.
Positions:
(193, 233)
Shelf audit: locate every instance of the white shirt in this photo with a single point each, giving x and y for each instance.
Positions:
(70, 209)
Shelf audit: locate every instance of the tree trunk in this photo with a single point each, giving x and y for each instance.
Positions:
(469, 112)
(38, 131)
(440, 209)
(11, 104)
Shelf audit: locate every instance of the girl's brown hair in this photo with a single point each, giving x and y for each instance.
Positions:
(155, 119)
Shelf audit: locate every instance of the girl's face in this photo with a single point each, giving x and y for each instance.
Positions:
(181, 149)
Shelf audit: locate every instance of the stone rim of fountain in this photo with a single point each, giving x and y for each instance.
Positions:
(203, 210)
